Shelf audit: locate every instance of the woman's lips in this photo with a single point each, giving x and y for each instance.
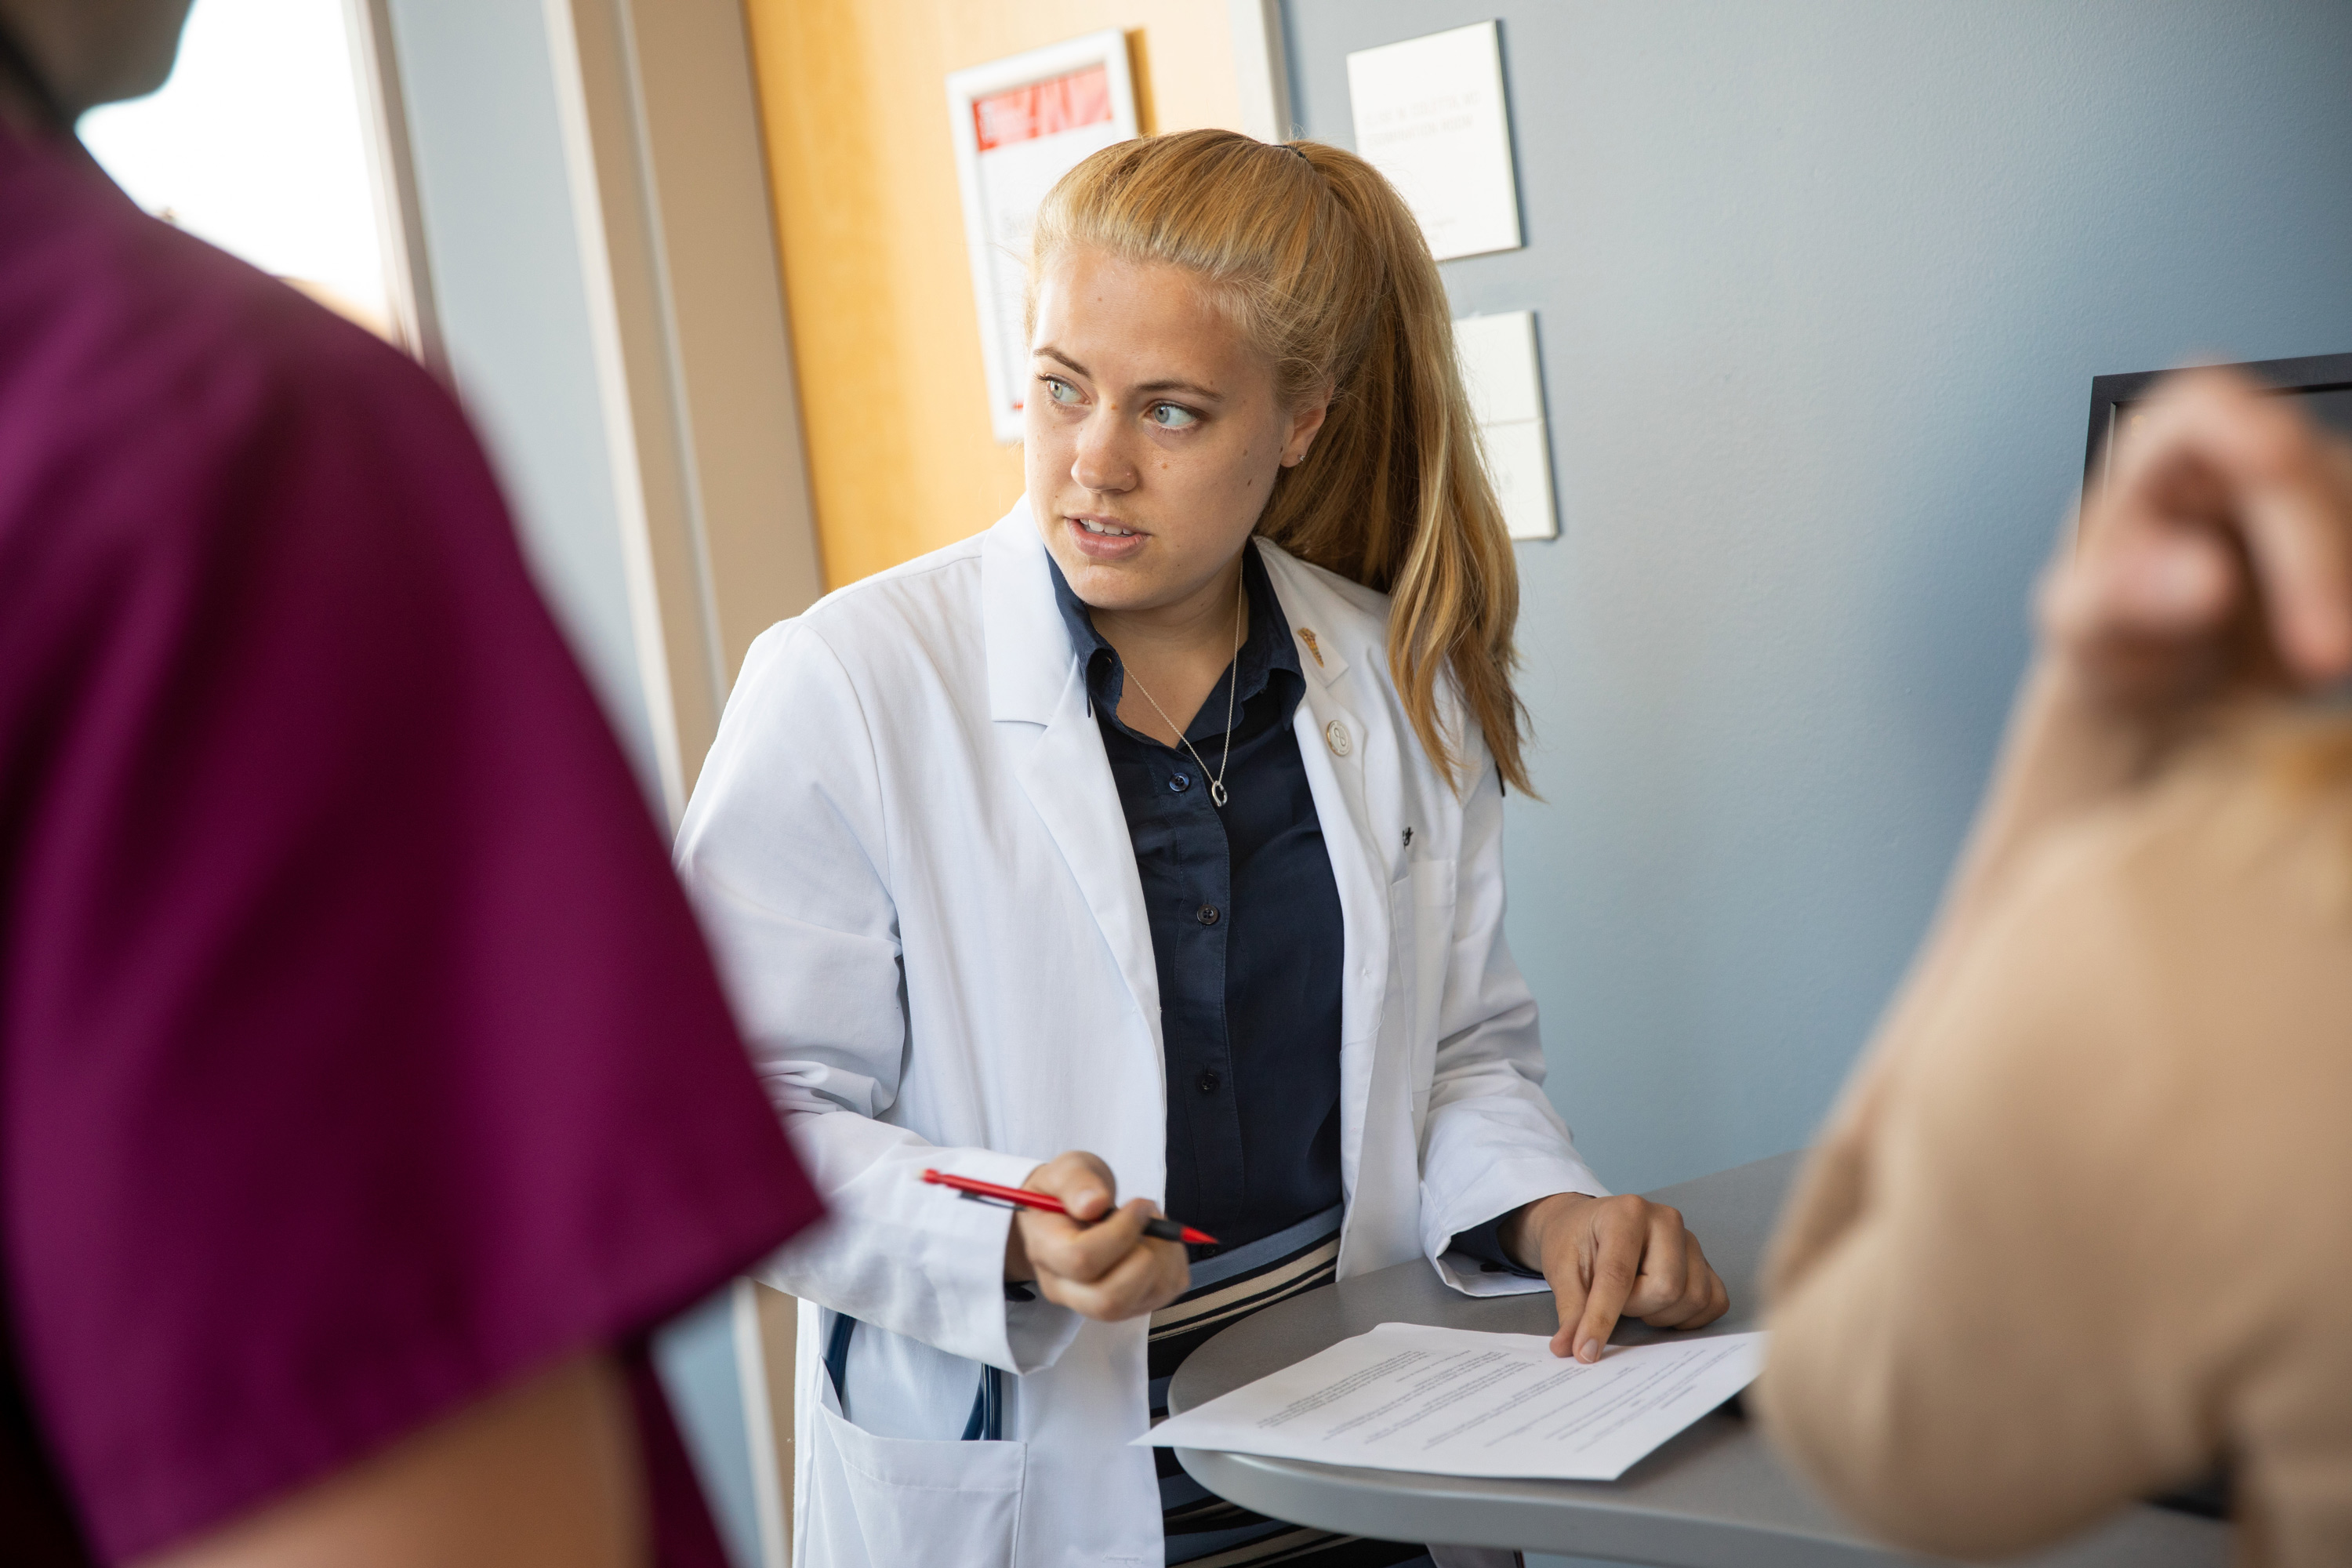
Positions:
(1103, 537)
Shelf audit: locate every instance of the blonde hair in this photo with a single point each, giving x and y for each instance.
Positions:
(1320, 264)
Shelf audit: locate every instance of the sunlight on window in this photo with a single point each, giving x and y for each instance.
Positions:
(257, 144)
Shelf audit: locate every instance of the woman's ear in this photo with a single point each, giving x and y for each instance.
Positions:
(1304, 423)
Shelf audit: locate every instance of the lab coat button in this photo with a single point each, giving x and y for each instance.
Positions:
(1336, 735)
(1209, 1080)
(1208, 915)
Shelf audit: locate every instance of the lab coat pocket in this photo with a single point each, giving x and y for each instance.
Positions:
(890, 1502)
(1421, 923)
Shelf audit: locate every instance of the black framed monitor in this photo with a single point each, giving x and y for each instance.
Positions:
(2324, 383)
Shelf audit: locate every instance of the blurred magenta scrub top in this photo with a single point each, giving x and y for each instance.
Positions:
(358, 1054)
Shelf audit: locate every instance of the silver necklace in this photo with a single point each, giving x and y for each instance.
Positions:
(1232, 682)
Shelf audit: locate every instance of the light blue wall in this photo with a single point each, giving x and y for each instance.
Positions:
(1821, 289)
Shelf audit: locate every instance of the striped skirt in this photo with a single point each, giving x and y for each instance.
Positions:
(1203, 1530)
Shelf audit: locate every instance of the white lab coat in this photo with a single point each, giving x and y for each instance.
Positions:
(909, 856)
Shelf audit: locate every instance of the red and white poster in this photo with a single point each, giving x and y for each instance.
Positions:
(1019, 124)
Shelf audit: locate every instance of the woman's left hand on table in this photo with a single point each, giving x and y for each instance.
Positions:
(1611, 1258)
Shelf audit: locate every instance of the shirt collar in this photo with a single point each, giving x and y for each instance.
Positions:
(1267, 649)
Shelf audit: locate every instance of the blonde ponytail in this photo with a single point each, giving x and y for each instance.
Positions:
(1322, 264)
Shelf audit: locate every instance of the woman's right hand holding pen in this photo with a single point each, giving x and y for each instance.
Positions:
(1095, 1260)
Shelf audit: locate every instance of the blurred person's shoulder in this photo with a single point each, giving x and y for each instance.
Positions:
(2182, 957)
(137, 361)
(2236, 859)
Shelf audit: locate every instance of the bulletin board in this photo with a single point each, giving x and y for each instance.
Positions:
(1019, 124)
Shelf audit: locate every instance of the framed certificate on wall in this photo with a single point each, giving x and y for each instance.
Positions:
(1021, 123)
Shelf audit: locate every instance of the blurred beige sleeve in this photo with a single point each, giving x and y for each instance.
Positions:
(1985, 1275)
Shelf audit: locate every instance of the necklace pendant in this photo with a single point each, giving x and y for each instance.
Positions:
(1217, 790)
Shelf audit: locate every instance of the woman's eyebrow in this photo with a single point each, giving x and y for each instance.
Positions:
(1047, 351)
(1194, 387)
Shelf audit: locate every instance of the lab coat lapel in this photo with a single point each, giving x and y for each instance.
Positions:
(1352, 773)
(1037, 697)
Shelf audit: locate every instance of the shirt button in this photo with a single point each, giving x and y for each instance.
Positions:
(1179, 782)
(1209, 1080)
(1335, 734)
(1208, 915)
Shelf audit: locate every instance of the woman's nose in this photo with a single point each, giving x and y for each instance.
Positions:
(1101, 463)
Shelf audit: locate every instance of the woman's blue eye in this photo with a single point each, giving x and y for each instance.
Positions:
(1060, 391)
(1172, 416)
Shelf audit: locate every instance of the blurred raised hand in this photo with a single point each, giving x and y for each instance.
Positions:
(2217, 559)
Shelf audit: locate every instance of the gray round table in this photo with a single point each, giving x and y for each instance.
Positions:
(1714, 1497)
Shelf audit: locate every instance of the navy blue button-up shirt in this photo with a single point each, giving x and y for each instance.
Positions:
(1247, 933)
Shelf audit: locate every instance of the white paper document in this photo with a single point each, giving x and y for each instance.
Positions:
(1449, 1402)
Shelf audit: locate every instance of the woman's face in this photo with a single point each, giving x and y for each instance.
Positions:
(1154, 431)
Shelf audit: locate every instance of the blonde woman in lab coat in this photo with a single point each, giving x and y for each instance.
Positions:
(1149, 846)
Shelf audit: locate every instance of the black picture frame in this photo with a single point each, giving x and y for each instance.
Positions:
(2325, 379)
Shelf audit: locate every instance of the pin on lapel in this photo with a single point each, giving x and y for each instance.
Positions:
(1307, 635)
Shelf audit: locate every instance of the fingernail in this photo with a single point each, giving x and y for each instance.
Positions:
(1590, 1351)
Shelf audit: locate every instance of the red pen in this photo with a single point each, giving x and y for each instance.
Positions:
(1164, 1229)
